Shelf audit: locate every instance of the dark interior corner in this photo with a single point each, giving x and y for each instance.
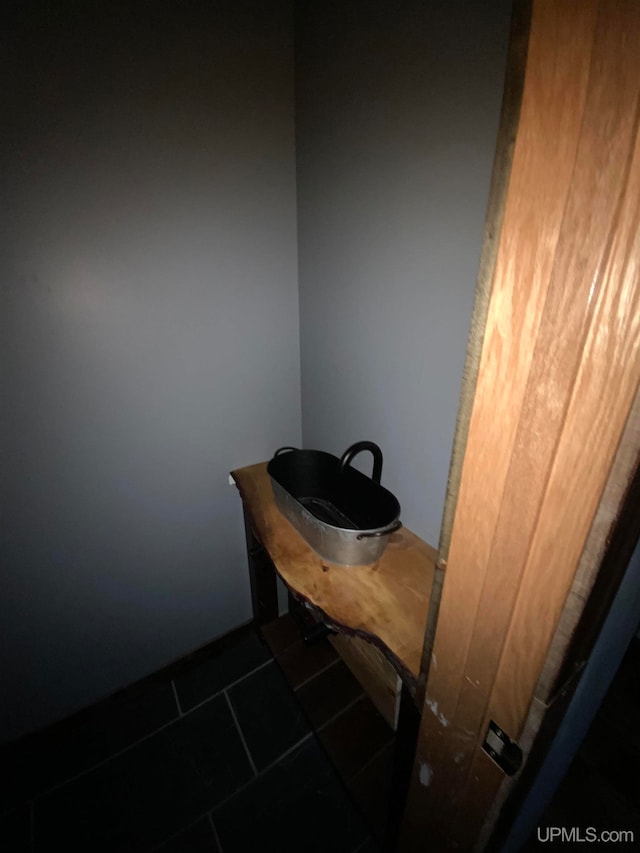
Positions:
(600, 788)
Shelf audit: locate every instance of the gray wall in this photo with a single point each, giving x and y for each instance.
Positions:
(397, 108)
(149, 331)
(149, 312)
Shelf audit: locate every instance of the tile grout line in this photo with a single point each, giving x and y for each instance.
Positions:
(209, 814)
(262, 772)
(244, 743)
(288, 751)
(243, 787)
(228, 686)
(370, 761)
(175, 696)
(146, 737)
(106, 760)
(176, 834)
(315, 675)
(248, 674)
(340, 713)
(212, 824)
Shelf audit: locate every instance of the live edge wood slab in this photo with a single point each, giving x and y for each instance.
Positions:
(385, 602)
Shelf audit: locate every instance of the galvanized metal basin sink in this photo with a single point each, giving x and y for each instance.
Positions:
(343, 515)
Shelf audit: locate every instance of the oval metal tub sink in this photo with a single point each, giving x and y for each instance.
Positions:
(343, 515)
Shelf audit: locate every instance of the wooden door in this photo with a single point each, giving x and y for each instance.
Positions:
(558, 370)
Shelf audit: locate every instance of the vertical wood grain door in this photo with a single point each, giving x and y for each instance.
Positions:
(558, 373)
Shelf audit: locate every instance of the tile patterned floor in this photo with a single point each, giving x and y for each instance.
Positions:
(227, 751)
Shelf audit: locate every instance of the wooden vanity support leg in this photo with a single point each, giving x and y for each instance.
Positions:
(406, 738)
(262, 577)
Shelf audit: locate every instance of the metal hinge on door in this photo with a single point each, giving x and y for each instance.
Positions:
(505, 752)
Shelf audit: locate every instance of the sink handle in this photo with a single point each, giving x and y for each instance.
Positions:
(396, 525)
(350, 452)
(283, 450)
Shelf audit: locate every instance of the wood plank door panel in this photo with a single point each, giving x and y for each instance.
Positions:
(558, 374)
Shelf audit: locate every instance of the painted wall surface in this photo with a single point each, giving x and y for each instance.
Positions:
(148, 328)
(397, 109)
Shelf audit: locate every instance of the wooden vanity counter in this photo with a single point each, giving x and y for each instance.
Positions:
(385, 602)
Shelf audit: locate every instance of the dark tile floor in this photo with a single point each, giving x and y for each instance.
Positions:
(229, 750)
